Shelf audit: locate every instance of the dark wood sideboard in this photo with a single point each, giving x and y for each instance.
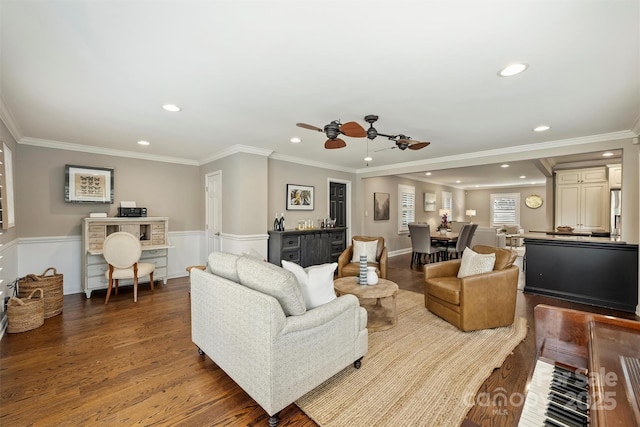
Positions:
(600, 274)
(307, 247)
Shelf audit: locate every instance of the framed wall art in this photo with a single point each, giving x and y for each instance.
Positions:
(429, 202)
(380, 206)
(299, 197)
(85, 184)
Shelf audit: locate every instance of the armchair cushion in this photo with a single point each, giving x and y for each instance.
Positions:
(274, 281)
(316, 282)
(365, 248)
(475, 263)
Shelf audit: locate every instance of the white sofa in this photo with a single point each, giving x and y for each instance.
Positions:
(250, 318)
(488, 236)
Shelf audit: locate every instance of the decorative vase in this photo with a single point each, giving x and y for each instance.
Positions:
(372, 276)
(363, 270)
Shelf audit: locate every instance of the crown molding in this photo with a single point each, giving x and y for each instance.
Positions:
(235, 149)
(104, 151)
(517, 149)
(307, 162)
(7, 119)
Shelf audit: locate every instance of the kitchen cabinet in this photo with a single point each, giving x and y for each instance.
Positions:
(307, 247)
(615, 177)
(582, 199)
(153, 235)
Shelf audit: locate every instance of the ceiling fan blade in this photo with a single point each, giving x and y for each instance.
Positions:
(353, 129)
(311, 127)
(331, 144)
(418, 145)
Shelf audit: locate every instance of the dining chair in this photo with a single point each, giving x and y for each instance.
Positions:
(421, 243)
(462, 242)
(122, 252)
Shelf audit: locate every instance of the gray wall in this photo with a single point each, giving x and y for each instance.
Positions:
(282, 173)
(165, 189)
(530, 219)
(389, 228)
(244, 192)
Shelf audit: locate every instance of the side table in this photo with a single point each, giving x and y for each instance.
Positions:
(382, 315)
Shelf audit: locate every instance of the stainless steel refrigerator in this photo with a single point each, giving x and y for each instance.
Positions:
(616, 213)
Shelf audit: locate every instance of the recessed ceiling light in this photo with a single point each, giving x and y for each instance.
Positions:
(458, 181)
(143, 142)
(607, 154)
(523, 176)
(368, 159)
(295, 140)
(428, 173)
(512, 69)
(171, 107)
(504, 166)
(541, 128)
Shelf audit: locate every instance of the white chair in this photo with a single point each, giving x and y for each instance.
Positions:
(122, 251)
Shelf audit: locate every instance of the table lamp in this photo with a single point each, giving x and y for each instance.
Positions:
(470, 213)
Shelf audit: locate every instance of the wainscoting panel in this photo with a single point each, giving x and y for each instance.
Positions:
(36, 254)
(239, 244)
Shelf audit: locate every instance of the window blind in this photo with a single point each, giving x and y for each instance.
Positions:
(406, 207)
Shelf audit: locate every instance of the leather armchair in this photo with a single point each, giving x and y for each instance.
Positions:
(481, 301)
(348, 268)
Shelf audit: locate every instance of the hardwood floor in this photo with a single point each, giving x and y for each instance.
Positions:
(132, 363)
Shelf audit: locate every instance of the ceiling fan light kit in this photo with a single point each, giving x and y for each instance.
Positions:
(355, 130)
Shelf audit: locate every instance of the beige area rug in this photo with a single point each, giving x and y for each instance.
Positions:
(422, 372)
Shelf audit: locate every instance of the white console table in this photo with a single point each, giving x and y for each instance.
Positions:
(153, 235)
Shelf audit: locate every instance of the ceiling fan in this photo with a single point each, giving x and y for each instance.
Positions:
(335, 128)
(402, 141)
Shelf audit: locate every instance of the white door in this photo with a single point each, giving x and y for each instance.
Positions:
(213, 206)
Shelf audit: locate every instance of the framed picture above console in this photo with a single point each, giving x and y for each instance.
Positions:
(85, 184)
(299, 197)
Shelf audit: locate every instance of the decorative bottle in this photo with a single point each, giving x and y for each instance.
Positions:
(281, 222)
(276, 223)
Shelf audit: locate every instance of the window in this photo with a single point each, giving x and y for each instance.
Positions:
(505, 209)
(447, 204)
(406, 207)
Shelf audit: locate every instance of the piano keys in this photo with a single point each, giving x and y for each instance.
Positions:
(587, 372)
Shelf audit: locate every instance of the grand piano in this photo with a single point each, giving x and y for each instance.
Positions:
(587, 371)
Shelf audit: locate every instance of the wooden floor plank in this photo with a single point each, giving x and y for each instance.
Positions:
(129, 363)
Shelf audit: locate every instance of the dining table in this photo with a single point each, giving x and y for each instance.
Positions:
(450, 237)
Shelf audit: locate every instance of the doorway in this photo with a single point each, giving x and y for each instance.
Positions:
(213, 210)
(339, 202)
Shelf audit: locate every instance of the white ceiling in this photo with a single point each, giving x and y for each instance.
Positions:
(92, 75)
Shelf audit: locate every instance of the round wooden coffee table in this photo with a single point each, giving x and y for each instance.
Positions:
(382, 314)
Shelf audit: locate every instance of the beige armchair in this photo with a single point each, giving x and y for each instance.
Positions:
(348, 267)
(481, 301)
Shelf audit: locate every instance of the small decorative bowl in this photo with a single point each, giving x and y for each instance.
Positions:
(564, 229)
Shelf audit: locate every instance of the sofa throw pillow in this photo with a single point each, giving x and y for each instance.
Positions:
(316, 282)
(474, 263)
(224, 264)
(274, 281)
(364, 248)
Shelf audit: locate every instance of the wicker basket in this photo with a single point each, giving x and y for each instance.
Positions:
(25, 314)
(52, 287)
